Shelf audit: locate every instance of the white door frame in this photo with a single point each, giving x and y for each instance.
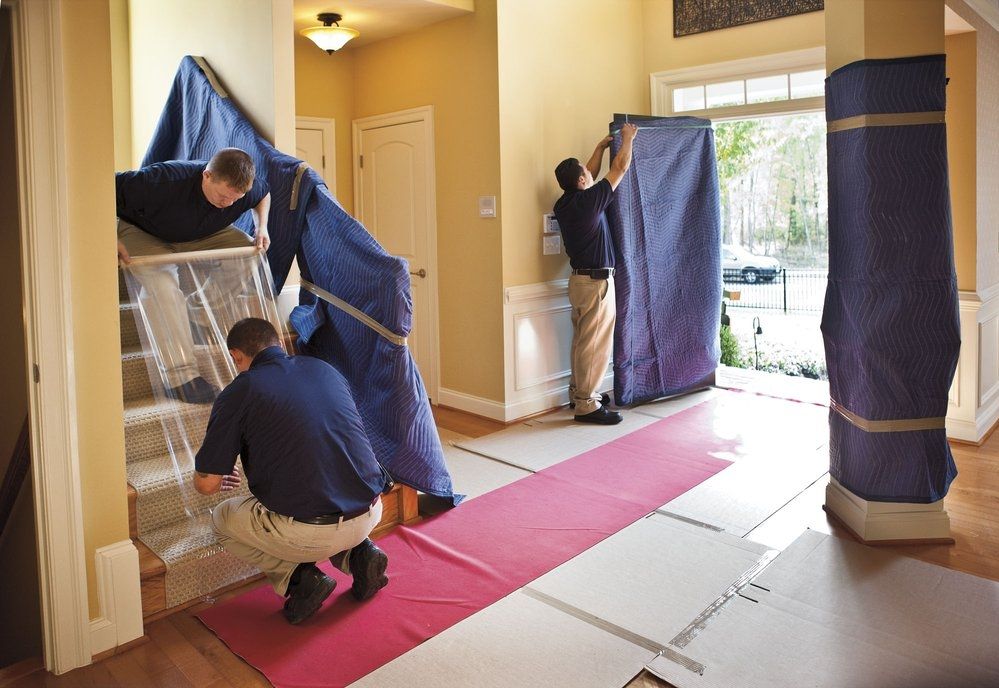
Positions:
(328, 126)
(44, 214)
(426, 116)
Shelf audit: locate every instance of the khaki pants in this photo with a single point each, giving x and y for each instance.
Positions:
(593, 312)
(277, 544)
(164, 304)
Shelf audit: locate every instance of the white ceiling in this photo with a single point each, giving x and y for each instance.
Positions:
(379, 19)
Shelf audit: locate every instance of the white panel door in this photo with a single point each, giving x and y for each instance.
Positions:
(394, 207)
(309, 147)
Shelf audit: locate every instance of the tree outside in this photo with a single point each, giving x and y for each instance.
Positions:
(772, 176)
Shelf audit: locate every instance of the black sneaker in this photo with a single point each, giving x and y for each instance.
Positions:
(196, 391)
(601, 417)
(604, 401)
(308, 594)
(366, 563)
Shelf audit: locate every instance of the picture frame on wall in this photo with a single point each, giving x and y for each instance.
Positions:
(697, 16)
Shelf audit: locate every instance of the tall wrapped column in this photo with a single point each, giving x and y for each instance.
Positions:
(890, 322)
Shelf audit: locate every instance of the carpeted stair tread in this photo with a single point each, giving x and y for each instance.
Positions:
(135, 363)
(166, 494)
(126, 323)
(196, 563)
(149, 425)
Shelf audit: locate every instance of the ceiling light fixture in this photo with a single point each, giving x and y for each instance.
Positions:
(328, 37)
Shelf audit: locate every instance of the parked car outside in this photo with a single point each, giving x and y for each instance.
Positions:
(738, 263)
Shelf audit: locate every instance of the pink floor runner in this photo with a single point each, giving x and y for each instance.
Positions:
(446, 568)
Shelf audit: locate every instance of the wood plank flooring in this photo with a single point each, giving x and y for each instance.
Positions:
(181, 652)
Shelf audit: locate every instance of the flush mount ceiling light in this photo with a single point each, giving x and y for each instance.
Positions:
(328, 37)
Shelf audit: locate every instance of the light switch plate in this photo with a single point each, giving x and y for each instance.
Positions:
(487, 206)
(549, 225)
(552, 244)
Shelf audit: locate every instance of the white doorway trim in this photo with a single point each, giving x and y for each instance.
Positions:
(43, 190)
(328, 127)
(426, 116)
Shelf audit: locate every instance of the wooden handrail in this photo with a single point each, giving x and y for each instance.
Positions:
(17, 469)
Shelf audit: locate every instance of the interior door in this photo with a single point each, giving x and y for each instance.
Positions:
(394, 206)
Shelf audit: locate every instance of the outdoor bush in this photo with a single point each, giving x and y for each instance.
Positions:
(730, 353)
(778, 358)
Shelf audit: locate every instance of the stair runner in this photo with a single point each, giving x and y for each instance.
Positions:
(195, 564)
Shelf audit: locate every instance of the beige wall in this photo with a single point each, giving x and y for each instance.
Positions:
(663, 51)
(452, 66)
(18, 557)
(121, 90)
(86, 68)
(961, 158)
(248, 44)
(556, 99)
(324, 87)
(876, 29)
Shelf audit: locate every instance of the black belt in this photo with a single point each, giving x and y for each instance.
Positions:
(330, 519)
(595, 273)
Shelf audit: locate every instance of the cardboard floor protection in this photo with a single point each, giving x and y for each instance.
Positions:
(769, 468)
(518, 641)
(652, 578)
(833, 613)
(473, 475)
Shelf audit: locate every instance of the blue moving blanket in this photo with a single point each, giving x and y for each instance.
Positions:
(666, 225)
(335, 253)
(890, 321)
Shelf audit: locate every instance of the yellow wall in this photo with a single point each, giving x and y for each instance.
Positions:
(248, 44)
(565, 68)
(663, 51)
(961, 155)
(876, 29)
(86, 40)
(452, 66)
(324, 87)
(121, 75)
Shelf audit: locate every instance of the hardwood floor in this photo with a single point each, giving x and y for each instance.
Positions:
(181, 652)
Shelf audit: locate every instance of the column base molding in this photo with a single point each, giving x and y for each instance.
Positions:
(888, 523)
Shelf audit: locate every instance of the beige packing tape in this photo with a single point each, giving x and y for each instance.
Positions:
(210, 75)
(906, 425)
(302, 167)
(895, 119)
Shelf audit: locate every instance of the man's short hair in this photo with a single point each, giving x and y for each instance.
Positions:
(568, 173)
(234, 167)
(251, 336)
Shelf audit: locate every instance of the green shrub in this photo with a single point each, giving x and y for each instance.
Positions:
(778, 358)
(730, 354)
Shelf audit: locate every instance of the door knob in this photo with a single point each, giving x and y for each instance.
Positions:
(420, 273)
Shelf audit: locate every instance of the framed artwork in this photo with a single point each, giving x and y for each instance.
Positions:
(698, 16)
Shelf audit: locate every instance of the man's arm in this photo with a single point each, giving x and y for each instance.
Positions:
(215, 467)
(597, 159)
(622, 161)
(260, 212)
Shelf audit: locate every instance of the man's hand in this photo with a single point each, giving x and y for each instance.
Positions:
(231, 481)
(262, 240)
(123, 254)
(604, 142)
(628, 131)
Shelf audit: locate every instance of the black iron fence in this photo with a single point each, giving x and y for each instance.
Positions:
(793, 291)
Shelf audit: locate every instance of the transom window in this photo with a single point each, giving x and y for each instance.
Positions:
(786, 82)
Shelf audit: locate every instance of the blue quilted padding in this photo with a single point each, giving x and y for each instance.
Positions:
(666, 225)
(890, 321)
(336, 253)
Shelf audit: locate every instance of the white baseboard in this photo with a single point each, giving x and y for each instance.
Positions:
(506, 413)
(873, 521)
(120, 597)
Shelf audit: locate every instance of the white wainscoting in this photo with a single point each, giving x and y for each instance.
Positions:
(974, 395)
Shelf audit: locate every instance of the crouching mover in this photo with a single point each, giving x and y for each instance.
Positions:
(309, 466)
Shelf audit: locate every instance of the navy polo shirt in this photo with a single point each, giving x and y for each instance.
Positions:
(581, 218)
(293, 421)
(165, 199)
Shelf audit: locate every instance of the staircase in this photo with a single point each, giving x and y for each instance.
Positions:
(180, 562)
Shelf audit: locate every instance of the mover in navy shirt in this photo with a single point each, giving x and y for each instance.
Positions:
(308, 464)
(181, 206)
(581, 218)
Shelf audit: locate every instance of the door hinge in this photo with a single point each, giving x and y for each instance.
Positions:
(324, 162)
(35, 372)
(362, 160)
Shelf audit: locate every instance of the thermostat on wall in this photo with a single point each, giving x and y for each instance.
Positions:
(549, 225)
(487, 206)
